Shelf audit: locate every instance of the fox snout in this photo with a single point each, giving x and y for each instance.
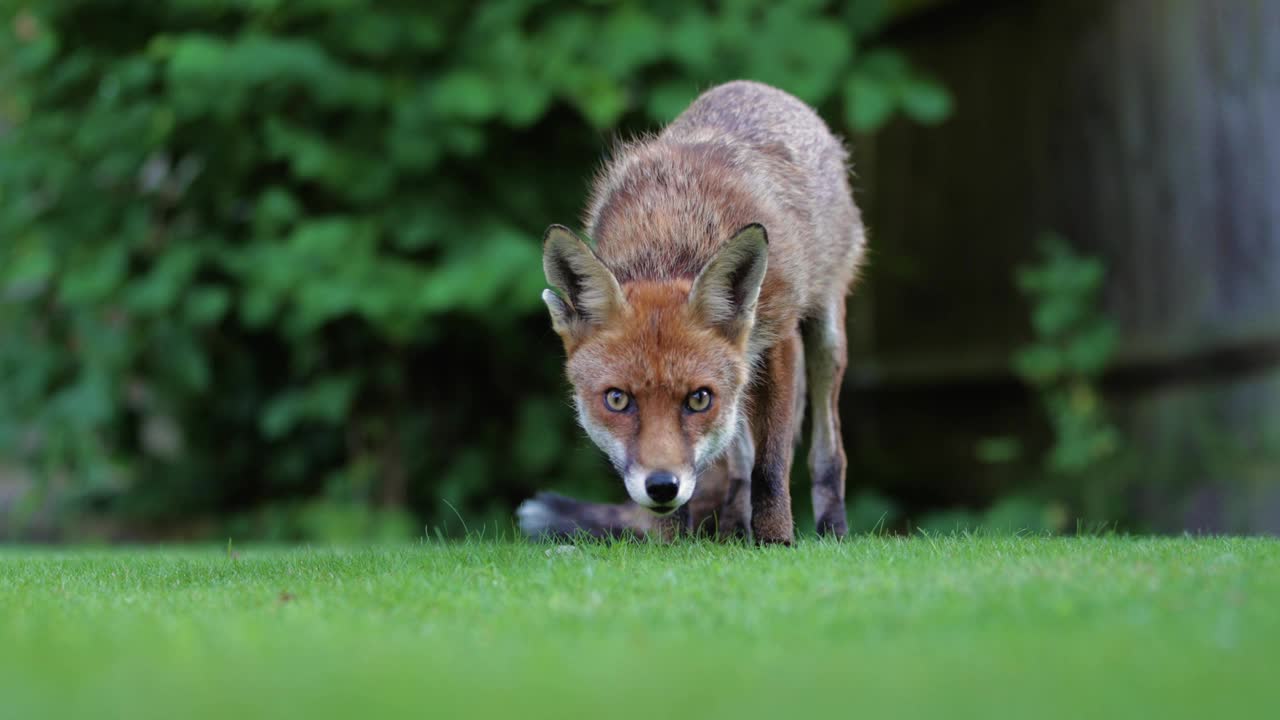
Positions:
(661, 491)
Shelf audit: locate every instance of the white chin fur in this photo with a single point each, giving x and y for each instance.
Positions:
(718, 440)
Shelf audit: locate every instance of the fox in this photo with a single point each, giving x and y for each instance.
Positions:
(710, 301)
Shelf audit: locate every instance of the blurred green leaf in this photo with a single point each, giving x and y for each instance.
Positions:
(325, 401)
(27, 266)
(926, 101)
(95, 275)
(867, 104)
(629, 39)
(1038, 364)
(669, 99)
(465, 94)
(205, 305)
(169, 276)
(1074, 342)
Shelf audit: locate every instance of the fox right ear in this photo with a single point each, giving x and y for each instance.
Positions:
(588, 292)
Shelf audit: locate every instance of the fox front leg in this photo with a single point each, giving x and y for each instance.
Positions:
(734, 514)
(773, 424)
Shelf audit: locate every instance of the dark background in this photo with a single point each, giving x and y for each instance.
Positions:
(271, 269)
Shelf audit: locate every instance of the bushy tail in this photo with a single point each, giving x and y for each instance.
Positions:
(551, 516)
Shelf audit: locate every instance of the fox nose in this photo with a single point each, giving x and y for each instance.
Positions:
(662, 486)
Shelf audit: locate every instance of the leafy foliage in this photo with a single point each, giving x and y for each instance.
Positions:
(267, 255)
(1074, 341)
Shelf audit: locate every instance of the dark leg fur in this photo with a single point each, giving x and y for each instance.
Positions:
(773, 423)
(734, 512)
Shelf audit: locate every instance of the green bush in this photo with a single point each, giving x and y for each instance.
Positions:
(258, 256)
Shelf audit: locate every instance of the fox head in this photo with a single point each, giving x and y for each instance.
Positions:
(658, 367)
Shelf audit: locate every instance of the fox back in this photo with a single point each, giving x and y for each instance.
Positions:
(713, 240)
(742, 153)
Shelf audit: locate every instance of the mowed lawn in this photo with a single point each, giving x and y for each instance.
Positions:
(876, 626)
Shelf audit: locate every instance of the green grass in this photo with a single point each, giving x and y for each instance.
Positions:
(954, 627)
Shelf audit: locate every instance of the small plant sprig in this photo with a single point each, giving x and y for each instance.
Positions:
(1074, 341)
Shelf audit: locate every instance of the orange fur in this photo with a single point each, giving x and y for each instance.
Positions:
(716, 242)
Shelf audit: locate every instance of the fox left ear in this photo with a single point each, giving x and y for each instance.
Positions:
(588, 291)
(726, 292)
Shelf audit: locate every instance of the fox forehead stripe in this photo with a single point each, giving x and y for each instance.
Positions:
(658, 344)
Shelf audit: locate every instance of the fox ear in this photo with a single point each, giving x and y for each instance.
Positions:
(588, 292)
(726, 292)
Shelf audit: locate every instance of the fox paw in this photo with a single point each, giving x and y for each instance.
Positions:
(772, 536)
(833, 526)
(732, 527)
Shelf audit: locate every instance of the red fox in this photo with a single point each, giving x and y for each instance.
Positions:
(724, 248)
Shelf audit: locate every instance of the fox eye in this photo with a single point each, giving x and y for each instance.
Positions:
(616, 400)
(699, 400)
